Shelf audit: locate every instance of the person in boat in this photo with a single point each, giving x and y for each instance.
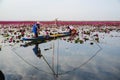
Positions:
(35, 28)
(72, 30)
(2, 77)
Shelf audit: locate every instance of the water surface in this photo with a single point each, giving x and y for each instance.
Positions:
(66, 60)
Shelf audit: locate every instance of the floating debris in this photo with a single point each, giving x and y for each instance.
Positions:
(91, 43)
(46, 49)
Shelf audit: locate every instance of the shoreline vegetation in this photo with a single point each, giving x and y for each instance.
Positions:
(59, 22)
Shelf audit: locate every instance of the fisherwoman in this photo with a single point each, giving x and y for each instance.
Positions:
(72, 30)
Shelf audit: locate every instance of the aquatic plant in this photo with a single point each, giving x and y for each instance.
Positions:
(97, 39)
(86, 38)
(77, 40)
(81, 41)
(5, 35)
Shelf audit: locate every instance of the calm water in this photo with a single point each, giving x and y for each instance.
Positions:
(67, 60)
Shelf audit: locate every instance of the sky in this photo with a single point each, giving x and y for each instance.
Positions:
(67, 10)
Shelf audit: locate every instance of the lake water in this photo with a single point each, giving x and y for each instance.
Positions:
(63, 60)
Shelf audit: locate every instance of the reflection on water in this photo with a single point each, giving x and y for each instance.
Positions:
(37, 51)
(66, 60)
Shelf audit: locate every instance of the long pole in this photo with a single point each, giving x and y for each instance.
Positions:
(48, 65)
(57, 57)
(53, 57)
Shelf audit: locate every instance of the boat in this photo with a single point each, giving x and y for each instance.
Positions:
(47, 37)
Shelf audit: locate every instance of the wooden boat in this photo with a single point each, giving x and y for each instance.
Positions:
(47, 37)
